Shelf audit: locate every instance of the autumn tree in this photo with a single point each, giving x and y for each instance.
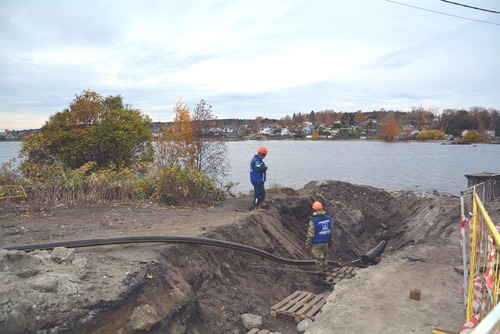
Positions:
(210, 153)
(390, 128)
(328, 118)
(94, 129)
(318, 118)
(359, 117)
(176, 145)
(258, 123)
(286, 121)
(185, 159)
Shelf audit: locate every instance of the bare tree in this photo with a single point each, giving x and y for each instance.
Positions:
(211, 153)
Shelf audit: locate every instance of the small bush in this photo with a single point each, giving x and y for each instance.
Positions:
(9, 174)
(54, 186)
(186, 185)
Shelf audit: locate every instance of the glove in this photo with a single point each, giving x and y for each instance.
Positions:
(307, 248)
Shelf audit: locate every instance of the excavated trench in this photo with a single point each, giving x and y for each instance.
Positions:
(205, 288)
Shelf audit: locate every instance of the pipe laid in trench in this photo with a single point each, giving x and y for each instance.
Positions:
(172, 239)
(374, 252)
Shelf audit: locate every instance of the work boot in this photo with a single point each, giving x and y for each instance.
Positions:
(322, 278)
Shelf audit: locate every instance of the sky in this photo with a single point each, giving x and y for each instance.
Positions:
(265, 58)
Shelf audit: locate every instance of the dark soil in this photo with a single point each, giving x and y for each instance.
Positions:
(191, 288)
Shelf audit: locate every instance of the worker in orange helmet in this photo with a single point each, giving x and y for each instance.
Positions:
(318, 238)
(258, 177)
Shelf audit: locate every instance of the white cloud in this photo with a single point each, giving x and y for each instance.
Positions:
(66, 56)
(246, 58)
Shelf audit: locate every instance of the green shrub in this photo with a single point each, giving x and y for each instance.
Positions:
(186, 185)
(9, 174)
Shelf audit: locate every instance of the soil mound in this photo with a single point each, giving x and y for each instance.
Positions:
(194, 288)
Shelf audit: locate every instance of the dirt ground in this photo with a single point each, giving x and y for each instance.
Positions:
(191, 288)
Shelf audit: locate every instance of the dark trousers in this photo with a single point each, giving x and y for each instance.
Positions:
(259, 193)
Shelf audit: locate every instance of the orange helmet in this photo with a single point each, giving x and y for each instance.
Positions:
(262, 150)
(317, 206)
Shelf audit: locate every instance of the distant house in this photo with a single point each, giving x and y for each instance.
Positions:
(307, 130)
(285, 132)
(334, 132)
(407, 131)
(265, 131)
(338, 124)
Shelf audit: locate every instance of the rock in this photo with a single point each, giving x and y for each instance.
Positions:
(27, 273)
(63, 254)
(143, 318)
(321, 183)
(251, 321)
(304, 325)
(45, 284)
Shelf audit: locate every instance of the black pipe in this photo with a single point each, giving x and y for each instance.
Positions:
(372, 253)
(173, 239)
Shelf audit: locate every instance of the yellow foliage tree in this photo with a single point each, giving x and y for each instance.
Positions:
(431, 135)
(176, 145)
(472, 137)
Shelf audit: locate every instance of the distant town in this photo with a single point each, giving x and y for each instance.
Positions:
(343, 125)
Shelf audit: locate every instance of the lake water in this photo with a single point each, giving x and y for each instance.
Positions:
(414, 166)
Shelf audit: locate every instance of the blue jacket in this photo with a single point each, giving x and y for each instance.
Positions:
(257, 170)
(322, 228)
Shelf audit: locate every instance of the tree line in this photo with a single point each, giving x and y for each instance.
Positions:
(449, 121)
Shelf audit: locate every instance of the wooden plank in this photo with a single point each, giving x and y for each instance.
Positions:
(283, 302)
(300, 305)
(339, 274)
(253, 331)
(310, 309)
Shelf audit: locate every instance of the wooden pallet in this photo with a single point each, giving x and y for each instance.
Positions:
(338, 274)
(300, 305)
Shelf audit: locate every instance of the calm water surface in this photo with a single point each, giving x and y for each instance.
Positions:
(421, 167)
(415, 166)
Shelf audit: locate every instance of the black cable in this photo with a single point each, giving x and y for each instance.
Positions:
(433, 11)
(172, 239)
(472, 7)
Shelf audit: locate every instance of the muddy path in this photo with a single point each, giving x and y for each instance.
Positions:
(186, 288)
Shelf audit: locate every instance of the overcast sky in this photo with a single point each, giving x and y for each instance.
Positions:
(247, 58)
